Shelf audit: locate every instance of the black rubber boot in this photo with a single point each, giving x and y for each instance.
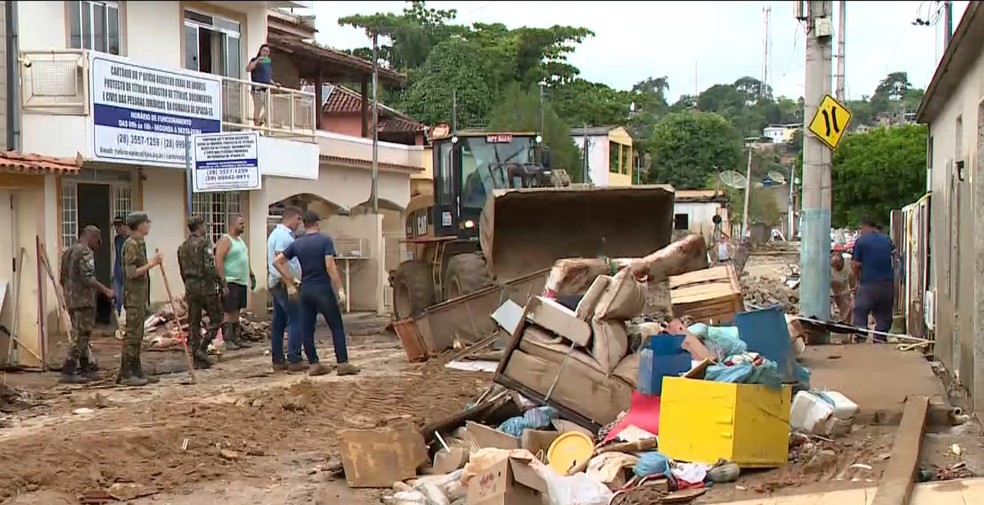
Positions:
(87, 370)
(68, 375)
(138, 371)
(128, 376)
(231, 336)
(199, 359)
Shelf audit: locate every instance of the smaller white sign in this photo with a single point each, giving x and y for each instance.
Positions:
(226, 162)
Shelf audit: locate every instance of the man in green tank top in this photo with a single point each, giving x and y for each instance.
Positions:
(232, 262)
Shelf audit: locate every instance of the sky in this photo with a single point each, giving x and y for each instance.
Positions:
(698, 44)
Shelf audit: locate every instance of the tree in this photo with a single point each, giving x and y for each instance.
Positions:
(687, 147)
(877, 172)
(519, 110)
(475, 73)
(580, 102)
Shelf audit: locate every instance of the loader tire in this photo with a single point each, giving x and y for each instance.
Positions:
(466, 273)
(413, 289)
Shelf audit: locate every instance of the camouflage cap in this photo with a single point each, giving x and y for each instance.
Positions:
(195, 221)
(136, 219)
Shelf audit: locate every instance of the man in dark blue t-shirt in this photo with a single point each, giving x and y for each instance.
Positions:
(872, 264)
(316, 254)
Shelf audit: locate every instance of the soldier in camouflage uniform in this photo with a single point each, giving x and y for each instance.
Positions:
(136, 298)
(203, 287)
(78, 280)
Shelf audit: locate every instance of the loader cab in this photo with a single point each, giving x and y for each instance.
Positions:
(469, 166)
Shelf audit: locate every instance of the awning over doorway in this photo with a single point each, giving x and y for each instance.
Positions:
(36, 164)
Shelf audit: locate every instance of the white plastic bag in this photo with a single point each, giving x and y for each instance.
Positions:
(577, 489)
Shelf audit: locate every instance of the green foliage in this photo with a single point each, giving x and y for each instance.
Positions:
(762, 206)
(687, 147)
(519, 110)
(477, 76)
(878, 171)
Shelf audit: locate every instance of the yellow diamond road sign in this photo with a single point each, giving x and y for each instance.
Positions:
(830, 122)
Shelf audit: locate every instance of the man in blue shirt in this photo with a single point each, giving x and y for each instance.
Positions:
(122, 232)
(285, 310)
(316, 254)
(872, 265)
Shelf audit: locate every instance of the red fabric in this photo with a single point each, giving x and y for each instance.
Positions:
(643, 414)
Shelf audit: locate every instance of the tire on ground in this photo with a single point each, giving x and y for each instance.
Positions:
(466, 273)
(413, 289)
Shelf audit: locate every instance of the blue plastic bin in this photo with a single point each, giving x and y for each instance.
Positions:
(765, 332)
(663, 355)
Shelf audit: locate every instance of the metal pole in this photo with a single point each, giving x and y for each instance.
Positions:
(189, 173)
(585, 168)
(542, 120)
(748, 194)
(815, 228)
(948, 24)
(374, 195)
(841, 23)
(454, 111)
(791, 208)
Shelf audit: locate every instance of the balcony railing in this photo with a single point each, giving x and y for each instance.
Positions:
(57, 82)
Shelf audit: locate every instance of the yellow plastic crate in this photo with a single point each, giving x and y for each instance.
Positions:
(704, 421)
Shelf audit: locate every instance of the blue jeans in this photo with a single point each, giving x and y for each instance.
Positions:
(118, 289)
(876, 298)
(285, 318)
(320, 299)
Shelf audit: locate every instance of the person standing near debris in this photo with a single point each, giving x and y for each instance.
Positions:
(232, 263)
(724, 250)
(203, 290)
(78, 279)
(872, 265)
(316, 254)
(285, 310)
(842, 284)
(119, 238)
(136, 298)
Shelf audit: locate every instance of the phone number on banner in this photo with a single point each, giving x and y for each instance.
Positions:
(225, 176)
(137, 139)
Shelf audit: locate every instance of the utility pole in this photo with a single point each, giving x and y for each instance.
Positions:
(748, 195)
(374, 194)
(767, 13)
(586, 168)
(841, 23)
(948, 23)
(815, 230)
(542, 119)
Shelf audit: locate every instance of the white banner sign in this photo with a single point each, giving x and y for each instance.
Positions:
(226, 162)
(142, 115)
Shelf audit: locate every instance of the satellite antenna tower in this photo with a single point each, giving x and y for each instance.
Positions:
(766, 13)
(732, 179)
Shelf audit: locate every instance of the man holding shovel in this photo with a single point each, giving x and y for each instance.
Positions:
(203, 289)
(78, 278)
(136, 298)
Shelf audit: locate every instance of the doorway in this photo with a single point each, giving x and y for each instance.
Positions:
(97, 212)
(213, 46)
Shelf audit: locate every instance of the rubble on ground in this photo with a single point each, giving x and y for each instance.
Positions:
(766, 292)
(166, 328)
(586, 386)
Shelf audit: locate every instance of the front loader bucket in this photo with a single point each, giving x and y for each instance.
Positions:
(524, 230)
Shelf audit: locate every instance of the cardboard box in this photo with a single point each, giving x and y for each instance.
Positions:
(510, 482)
(377, 458)
(559, 319)
(485, 436)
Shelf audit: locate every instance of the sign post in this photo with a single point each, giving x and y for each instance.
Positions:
(189, 174)
(225, 162)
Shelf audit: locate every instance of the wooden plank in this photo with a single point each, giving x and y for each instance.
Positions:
(895, 487)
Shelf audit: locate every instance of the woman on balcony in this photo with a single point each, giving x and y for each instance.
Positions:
(260, 70)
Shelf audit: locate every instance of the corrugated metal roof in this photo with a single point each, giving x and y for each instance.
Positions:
(325, 57)
(700, 195)
(16, 162)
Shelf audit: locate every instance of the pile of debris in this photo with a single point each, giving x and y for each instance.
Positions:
(166, 328)
(587, 384)
(767, 292)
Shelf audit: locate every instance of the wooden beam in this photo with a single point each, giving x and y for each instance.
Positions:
(895, 487)
(365, 106)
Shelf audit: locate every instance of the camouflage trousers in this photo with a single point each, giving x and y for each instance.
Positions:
(83, 321)
(199, 302)
(134, 330)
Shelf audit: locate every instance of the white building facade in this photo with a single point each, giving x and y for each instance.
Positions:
(121, 85)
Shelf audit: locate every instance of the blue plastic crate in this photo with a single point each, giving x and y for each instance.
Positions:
(765, 332)
(663, 355)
